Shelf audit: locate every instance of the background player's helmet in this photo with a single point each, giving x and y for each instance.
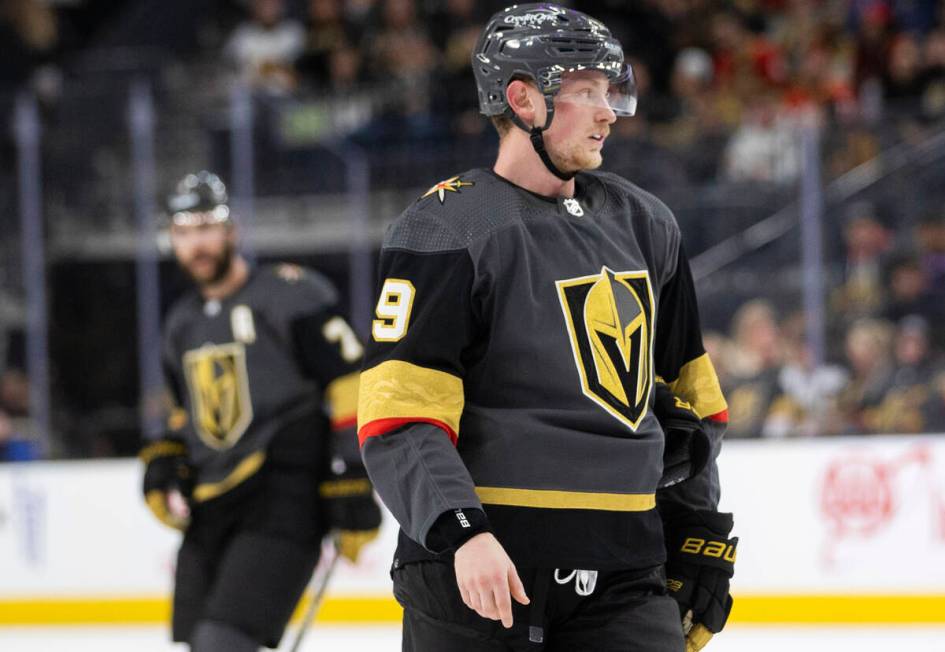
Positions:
(199, 199)
(541, 42)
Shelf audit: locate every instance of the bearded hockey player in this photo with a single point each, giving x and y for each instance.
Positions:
(536, 407)
(253, 468)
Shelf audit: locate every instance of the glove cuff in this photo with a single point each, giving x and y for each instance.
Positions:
(162, 448)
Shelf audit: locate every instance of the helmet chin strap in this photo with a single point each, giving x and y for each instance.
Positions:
(538, 142)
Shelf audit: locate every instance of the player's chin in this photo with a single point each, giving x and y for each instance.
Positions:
(590, 160)
(202, 272)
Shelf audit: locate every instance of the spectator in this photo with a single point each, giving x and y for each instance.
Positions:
(327, 34)
(30, 35)
(401, 49)
(266, 47)
(902, 81)
(754, 368)
(765, 147)
(807, 393)
(908, 287)
(867, 242)
(867, 348)
(933, 75)
(901, 410)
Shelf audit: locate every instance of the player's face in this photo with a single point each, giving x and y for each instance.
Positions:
(581, 122)
(204, 251)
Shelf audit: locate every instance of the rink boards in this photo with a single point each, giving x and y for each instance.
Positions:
(846, 530)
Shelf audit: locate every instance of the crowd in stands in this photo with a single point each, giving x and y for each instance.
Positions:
(723, 84)
(746, 73)
(884, 368)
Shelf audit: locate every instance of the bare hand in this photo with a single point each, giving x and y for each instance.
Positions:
(486, 577)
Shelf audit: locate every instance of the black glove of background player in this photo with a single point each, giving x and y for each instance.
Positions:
(686, 448)
(700, 562)
(352, 509)
(165, 471)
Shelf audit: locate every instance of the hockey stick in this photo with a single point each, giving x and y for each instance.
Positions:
(318, 594)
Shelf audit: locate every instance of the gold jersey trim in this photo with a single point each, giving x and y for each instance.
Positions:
(698, 385)
(243, 470)
(550, 499)
(397, 389)
(342, 395)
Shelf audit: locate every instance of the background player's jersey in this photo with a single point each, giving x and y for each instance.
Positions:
(242, 369)
(527, 332)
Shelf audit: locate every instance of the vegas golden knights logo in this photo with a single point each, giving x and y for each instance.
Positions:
(610, 321)
(219, 393)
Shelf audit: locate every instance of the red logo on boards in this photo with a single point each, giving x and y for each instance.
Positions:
(860, 494)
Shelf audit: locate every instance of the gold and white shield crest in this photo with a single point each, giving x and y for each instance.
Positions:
(609, 317)
(219, 393)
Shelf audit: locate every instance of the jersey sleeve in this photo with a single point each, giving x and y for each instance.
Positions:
(327, 349)
(176, 416)
(681, 362)
(411, 395)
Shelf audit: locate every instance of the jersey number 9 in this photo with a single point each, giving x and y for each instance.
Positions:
(393, 310)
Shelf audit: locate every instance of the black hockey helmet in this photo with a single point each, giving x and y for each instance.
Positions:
(199, 198)
(542, 42)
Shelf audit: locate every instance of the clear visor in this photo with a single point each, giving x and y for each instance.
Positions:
(606, 89)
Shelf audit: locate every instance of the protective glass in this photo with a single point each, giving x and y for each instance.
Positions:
(616, 90)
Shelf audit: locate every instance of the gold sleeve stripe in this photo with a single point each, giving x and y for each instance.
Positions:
(400, 390)
(342, 395)
(243, 470)
(698, 385)
(566, 499)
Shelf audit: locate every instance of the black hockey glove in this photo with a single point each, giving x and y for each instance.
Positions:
(700, 562)
(352, 510)
(166, 470)
(686, 448)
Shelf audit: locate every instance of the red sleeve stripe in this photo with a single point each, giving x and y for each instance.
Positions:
(382, 426)
(345, 422)
(720, 417)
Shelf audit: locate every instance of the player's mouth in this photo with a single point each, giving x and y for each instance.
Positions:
(599, 137)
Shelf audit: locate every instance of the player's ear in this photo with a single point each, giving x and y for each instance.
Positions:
(521, 98)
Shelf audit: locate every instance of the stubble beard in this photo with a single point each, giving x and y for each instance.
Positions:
(221, 267)
(576, 158)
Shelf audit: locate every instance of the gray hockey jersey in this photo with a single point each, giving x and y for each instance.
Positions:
(515, 345)
(241, 369)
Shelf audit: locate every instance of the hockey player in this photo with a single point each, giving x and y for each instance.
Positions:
(513, 389)
(253, 468)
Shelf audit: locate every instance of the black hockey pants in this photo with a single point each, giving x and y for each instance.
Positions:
(628, 611)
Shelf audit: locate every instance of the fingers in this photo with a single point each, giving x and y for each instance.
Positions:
(503, 604)
(488, 596)
(518, 589)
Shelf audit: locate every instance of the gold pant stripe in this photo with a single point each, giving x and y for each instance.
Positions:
(399, 390)
(243, 470)
(342, 395)
(566, 499)
(698, 385)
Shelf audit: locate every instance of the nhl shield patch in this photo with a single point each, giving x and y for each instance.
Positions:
(609, 317)
(219, 393)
